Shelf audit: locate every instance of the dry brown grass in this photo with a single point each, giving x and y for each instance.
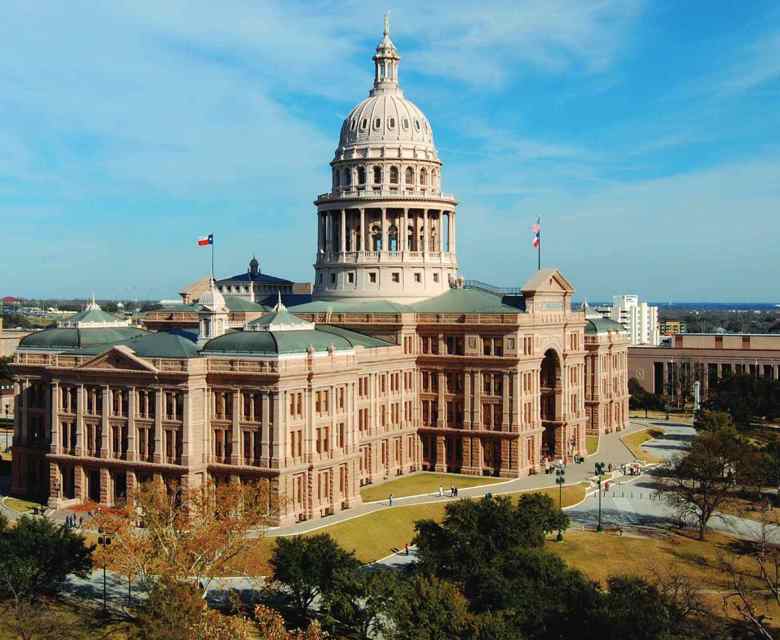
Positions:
(634, 443)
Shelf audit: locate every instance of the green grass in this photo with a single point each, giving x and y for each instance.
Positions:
(591, 444)
(421, 483)
(634, 443)
(21, 506)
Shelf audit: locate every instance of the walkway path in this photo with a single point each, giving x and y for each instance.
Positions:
(611, 450)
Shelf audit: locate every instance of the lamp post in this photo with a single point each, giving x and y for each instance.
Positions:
(599, 473)
(560, 478)
(104, 540)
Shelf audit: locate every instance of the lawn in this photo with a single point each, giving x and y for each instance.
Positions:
(374, 535)
(21, 506)
(422, 483)
(600, 555)
(591, 444)
(634, 441)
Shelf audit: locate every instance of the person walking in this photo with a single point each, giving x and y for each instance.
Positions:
(441, 491)
(390, 500)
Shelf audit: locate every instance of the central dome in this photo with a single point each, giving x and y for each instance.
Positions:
(386, 117)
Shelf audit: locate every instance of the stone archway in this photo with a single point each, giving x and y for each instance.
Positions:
(551, 405)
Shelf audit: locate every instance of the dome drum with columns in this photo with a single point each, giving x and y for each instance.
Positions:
(385, 230)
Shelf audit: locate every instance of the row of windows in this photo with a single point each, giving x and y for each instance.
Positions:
(405, 124)
(395, 277)
(345, 176)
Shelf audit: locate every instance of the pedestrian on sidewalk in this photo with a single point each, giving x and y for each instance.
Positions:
(390, 500)
(441, 491)
(406, 548)
(456, 491)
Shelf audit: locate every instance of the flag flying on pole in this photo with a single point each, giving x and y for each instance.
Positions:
(537, 230)
(205, 241)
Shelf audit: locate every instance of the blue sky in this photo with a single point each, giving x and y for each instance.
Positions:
(645, 134)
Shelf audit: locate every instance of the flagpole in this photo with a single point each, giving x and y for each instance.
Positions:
(539, 252)
(212, 255)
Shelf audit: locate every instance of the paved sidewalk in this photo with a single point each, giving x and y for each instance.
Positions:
(611, 450)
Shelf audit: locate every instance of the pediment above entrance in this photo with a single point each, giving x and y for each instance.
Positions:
(119, 358)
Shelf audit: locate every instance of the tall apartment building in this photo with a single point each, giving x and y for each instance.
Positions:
(639, 319)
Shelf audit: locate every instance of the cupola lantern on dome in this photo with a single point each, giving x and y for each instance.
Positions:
(386, 63)
(385, 230)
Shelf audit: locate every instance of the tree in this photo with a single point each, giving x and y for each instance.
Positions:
(702, 481)
(6, 372)
(640, 399)
(176, 610)
(187, 535)
(429, 609)
(358, 602)
(748, 398)
(706, 420)
(634, 609)
(475, 530)
(271, 626)
(308, 566)
(36, 557)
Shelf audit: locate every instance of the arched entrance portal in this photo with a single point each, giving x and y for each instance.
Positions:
(551, 392)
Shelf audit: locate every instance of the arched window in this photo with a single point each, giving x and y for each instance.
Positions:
(392, 238)
(423, 177)
(354, 123)
(393, 175)
(364, 123)
(377, 175)
(377, 123)
(336, 176)
(376, 238)
(434, 178)
(417, 125)
(347, 177)
(391, 123)
(361, 175)
(410, 238)
(406, 123)
(409, 175)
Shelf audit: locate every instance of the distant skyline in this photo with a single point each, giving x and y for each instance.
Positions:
(645, 134)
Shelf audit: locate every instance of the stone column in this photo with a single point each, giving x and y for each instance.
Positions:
(506, 403)
(343, 234)
(132, 408)
(441, 231)
(277, 432)
(384, 230)
(442, 419)
(157, 456)
(186, 417)
(235, 432)
(105, 427)
(441, 454)
(81, 407)
(516, 401)
(453, 232)
(467, 418)
(424, 248)
(53, 400)
(363, 230)
(477, 418)
(404, 235)
(265, 429)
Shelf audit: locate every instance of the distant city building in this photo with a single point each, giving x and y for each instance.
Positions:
(639, 319)
(672, 368)
(673, 327)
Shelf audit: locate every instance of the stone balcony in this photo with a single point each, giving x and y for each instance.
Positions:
(376, 193)
(388, 257)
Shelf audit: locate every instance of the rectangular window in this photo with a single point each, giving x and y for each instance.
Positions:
(372, 278)
(396, 277)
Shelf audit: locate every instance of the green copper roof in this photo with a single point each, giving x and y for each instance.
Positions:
(92, 315)
(162, 345)
(464, 301)
(237, 303)
(274, 343)
(68, 339)
(601, 325)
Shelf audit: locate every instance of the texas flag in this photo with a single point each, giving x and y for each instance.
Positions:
(205, 241)
(537, 230)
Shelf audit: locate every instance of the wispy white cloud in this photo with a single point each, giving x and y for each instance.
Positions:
(755, 66)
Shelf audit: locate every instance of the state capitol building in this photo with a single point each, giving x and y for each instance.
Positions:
(392, 366)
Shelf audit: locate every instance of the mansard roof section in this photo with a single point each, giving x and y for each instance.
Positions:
(596, 325)
(547, 281)
(74, 339)
(262, 278)
(468, 300)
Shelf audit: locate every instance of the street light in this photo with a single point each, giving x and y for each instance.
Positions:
(599, 473)
(104, 540)
(560, 478)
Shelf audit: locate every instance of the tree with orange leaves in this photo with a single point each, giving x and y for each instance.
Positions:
(189, 535)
